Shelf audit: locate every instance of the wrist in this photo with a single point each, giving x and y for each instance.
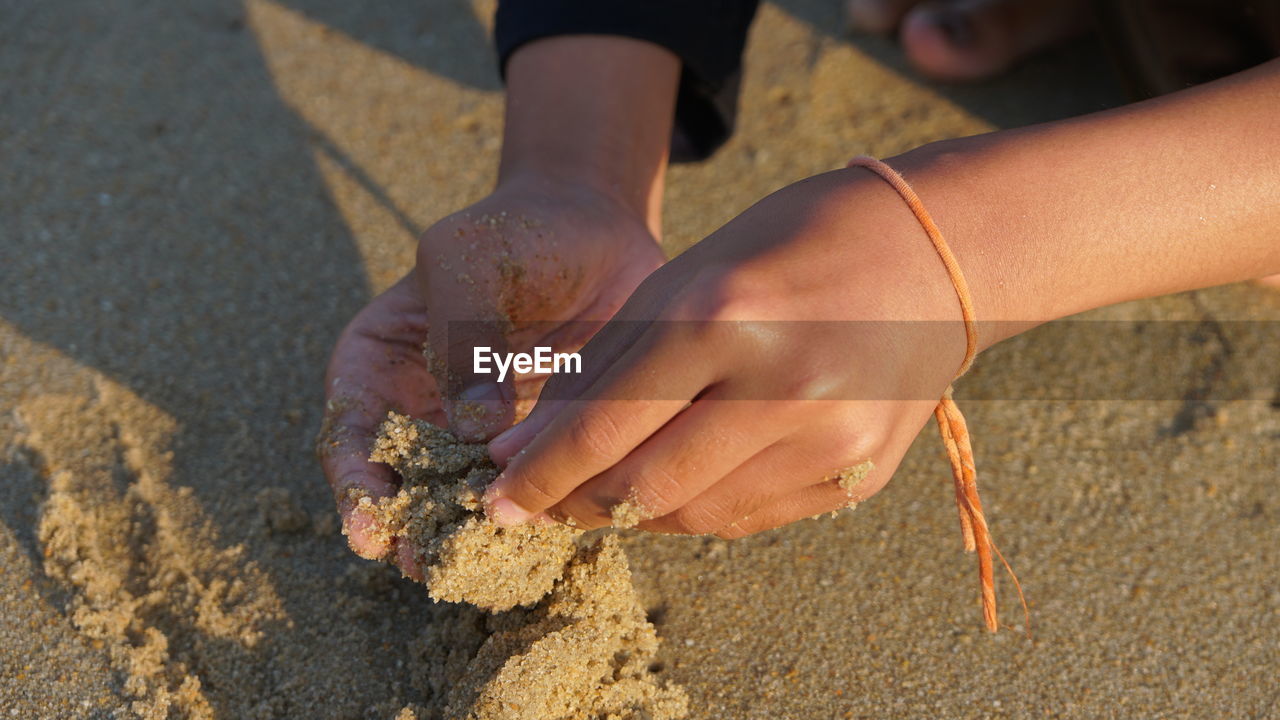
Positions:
(558, 181)
(998, 267)
(876, 240)
(842, 247)
(639, 193)
(557, 188)
(594, 112)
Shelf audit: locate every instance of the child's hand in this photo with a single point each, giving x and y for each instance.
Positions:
(537, 263)
(1168, 195)
(740, 379)
(579, 253)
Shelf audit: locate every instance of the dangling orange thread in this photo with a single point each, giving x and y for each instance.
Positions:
(951, 424)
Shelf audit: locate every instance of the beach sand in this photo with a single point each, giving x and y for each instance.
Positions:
(565, 635)
(197, 196)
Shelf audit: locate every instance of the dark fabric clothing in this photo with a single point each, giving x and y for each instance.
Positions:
(1160, 46)
(707, 36)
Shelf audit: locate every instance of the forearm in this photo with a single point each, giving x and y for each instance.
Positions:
(1168, 195)
(592, 109)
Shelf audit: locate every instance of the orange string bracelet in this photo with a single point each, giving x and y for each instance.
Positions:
(951, 424)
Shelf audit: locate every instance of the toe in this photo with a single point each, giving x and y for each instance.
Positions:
(876, 16)
(971, 39)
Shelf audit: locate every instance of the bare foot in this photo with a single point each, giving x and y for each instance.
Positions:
(970, 39)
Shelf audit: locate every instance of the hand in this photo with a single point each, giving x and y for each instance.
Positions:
(551, 230)
(544, 260)
(657, 416)
(813, 333)
(538, 263)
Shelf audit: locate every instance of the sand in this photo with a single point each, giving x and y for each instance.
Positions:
(465, 557)
(850, 478)
(629, 513)
(197, 196)
(583, 650)
(586, 652)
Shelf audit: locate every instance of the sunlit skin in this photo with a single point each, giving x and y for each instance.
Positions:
(1046, 221)
(1172, 194)
(578, 197)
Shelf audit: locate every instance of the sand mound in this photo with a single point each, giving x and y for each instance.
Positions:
(583, 650)
(465, 557)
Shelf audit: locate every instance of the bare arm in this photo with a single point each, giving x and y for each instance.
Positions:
(1167, 195)
(1172, 194)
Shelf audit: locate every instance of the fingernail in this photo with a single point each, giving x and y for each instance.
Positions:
(357, 526)
(505, 512)
(510, 440)
(473, 410)
(955, 26)
(506, 435)
(494, 491)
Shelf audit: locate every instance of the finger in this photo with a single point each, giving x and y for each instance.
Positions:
(777, 471)
(861, 465)
(648, 385)
(805, 457)
(408, 564)
(343, 447)
(598, 355)
(691, 453)
(376, 366)
(810, 502)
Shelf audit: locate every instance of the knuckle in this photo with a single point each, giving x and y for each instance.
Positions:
(734, 294)
(808, 380)
(698, 519)
(532, 490)
(342, 482)
(655, 488)
(846, 446)
(732, 532)
(351, 484)
(728, 307)
(712, 295)
(593, 433)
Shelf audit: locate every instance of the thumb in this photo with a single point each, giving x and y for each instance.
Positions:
(466, 292)
(478, 390)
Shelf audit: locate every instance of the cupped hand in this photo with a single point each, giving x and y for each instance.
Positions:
(554, 261)
(747, 383)
(539, 263)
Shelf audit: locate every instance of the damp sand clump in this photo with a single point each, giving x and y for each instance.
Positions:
(437, 513)
(566, 637)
